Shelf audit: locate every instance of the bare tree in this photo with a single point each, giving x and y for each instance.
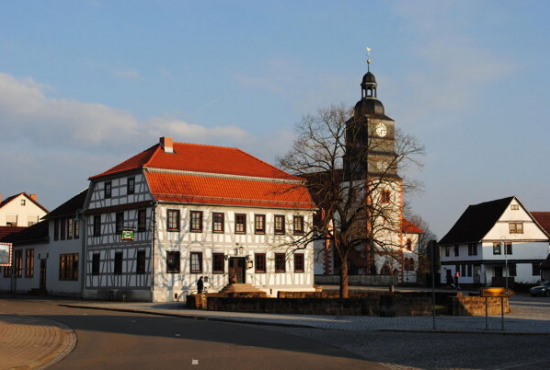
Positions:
(352, 175)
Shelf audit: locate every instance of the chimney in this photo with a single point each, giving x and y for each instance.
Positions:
(33, 197)
(167, 144)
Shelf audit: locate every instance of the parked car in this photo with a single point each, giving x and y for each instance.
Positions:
(542, 289)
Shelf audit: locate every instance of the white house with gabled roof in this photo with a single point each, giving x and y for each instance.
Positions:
(493, 240)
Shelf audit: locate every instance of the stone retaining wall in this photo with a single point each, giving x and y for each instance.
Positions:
(476, 306)
(377, 304)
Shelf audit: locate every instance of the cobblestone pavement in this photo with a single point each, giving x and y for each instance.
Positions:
(32, 343)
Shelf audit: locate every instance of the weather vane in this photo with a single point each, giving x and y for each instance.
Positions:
(368, 58)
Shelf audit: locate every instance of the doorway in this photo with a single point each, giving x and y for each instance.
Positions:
(237, 270)
(43, 274)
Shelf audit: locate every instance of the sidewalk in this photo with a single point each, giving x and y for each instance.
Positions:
(514, 323)
(33, 343)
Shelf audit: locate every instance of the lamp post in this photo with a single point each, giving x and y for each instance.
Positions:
(503, 243)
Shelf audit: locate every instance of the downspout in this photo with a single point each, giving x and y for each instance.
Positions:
(153, 228)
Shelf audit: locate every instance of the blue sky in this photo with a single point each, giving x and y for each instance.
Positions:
(87, 84)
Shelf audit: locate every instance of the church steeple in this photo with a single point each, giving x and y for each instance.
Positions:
(369, 103)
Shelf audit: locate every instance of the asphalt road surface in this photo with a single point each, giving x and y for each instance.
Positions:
(115, 340)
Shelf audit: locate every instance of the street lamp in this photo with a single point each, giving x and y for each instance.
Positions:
(503, 244)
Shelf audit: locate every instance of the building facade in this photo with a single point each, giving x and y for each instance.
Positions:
(162, 219)
(21, 210)
(493, 241)
(47, 255)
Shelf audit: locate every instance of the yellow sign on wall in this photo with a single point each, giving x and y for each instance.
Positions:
(496, 292)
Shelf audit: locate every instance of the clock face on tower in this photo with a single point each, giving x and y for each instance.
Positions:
(381, 129)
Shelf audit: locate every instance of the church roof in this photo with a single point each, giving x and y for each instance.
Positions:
(476, 222)
(408, 227)
(206, 174)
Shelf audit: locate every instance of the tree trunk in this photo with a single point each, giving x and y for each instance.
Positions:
(344, 288)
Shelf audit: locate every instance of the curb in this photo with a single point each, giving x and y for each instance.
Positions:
(204, 318)
(68, 345)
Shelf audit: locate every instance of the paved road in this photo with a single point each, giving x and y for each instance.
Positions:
(118, 340)
(111, 338)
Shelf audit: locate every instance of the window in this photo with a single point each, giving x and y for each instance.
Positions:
(218, 222)
(535, 269)
(108, 189)
(408, 244)
(140, 265)
(298, 225)
(23, 202)
(196, 221)
(259, 224)
(119, 223)
(69, 228)
(463, 270)
(469, 270)
(68, 266)
(131, 185)
(496, 248)
(18, 262)
(259, 261)
(142, 220)
(447, 251)
(29, 263)
(472, 249)
(95, 264)
(385, 196)
(516, 227)
(240, 223)
(76, 229)
(514, 207)
(280, 262)
(512, 269)
(456, 250)
(196, 262)
(218, 265)
(508, 248)
(97, 225)
(298, 262)
(279, 224)
(63, 223)
(56, 229)
(409, 264)
(118, 263)
(7, 271)
(173, 220)
(173, 262)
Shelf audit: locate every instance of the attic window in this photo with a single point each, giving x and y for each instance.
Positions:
(23, 202)
(516, 227)
(514, 207)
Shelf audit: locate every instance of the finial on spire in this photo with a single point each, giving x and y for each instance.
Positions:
(368, 58)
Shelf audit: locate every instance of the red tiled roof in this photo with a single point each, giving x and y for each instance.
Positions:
(410, 228)
(184, 188)
(7, 230)
(9, 199)
(200, 158)
(543, 218)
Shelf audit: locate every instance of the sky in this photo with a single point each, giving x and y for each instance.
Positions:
(87, 84)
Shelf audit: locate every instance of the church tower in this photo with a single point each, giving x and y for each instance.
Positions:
(370, 136)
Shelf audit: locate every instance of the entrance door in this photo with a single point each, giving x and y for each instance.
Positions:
(237, 270)
(477, 274)
(43, 274)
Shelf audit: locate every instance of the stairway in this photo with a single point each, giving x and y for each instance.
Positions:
(242, 290)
